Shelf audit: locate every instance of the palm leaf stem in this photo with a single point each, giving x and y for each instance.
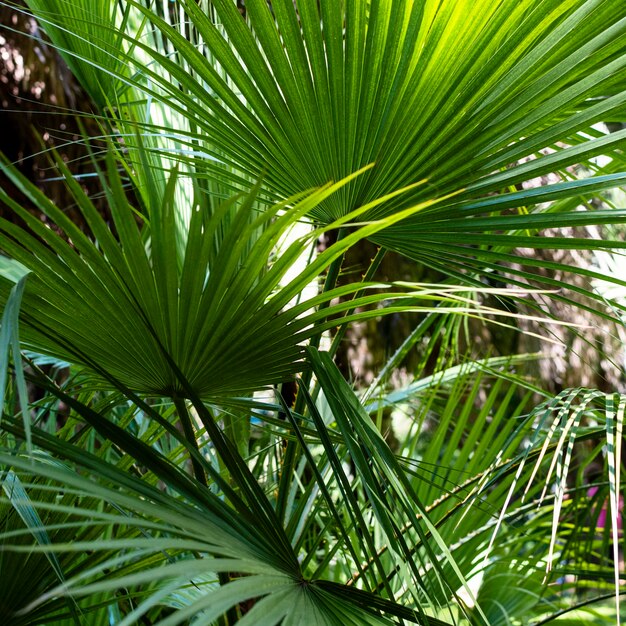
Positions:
(574, 607)
(224, 578)
(186, 423)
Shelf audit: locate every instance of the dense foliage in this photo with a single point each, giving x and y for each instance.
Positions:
(154, 467)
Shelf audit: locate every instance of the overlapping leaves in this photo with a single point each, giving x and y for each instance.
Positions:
(478, 98)
(157, 305)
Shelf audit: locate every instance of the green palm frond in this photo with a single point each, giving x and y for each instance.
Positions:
(207, 302)
(565, 420)
(83, 35)
(159, 542)
(479, 99)
(482, 465)
(430, 127)
(166, 310)
(409, 532)
(312, 92)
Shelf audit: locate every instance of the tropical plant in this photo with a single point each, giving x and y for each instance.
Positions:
(160, 475)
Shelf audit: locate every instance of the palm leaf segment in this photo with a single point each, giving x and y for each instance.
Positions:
(212, 318)
(454, 92)
(160, 527)
(475, 97)
(311, 91)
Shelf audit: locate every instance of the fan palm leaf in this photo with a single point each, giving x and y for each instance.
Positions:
(147, 309)
(168, 540)
(481, 99)
(498, 514)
